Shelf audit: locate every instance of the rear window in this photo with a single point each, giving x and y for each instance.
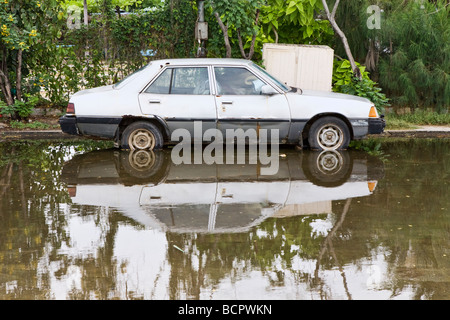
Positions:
(128, 78)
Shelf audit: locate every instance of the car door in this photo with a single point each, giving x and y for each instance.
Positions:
(182, 97)
(241, 104)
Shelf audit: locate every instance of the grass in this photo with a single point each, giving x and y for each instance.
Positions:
(30, 125)
(414, 119)
(396, 123)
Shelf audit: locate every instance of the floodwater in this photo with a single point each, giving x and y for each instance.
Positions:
(79, 220)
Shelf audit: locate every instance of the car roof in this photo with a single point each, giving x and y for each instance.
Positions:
(201, 61)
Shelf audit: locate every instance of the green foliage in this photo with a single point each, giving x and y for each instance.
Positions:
(25, 108)
(238, 14)
(96, 5)
(396, 123)
(351, 17)
(19, 31)
(30, 125)
(420, 117)
(283, 21)
(110, 48)
(238, 21)
(412, 45)
(167, 31)
(5, 109)
(416, 71)
(409, 55)
(345, 82)
(343, 74)
(371, 146)
(22, 108)
(366, 88)
(295, 21)
(20, 21)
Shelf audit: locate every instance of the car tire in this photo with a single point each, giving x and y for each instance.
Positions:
(141, 135)
(144, 165)
(329, 133)
(329, 168)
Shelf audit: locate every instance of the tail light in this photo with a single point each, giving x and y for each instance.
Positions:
(70, 108)
(72, 190)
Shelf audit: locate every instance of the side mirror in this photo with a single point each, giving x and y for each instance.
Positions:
(268, 90)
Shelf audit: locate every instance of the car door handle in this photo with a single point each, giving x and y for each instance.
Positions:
(227, 102)
(154, 101)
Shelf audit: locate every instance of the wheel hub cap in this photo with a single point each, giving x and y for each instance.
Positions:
(142, 159)
(330, 137)
(141, 139)
(329, 162)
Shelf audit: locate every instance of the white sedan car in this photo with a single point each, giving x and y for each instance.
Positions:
(144, 109)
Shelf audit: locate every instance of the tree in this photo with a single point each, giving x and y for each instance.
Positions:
(21, 25)
(331, 17)
(96, 5)
(406, 53)
(19, 32)
(85, 10)
(414, 64)
(25, 26)
(240, 15)
(255, 22)
(295, 21)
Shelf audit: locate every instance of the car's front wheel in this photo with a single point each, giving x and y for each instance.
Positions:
(141, 136)
(329, 133)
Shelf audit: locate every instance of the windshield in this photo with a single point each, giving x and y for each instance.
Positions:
(122, 82)
(275, 80)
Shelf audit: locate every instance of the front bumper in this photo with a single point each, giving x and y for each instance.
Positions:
(376, 125)
(69, 124)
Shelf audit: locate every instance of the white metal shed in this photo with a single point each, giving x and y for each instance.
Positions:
(307, 67)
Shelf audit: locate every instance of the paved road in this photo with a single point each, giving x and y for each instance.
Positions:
(421, 132)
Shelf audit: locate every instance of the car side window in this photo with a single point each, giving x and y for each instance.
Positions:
(237, 81)
(183, 80)
(162, 84)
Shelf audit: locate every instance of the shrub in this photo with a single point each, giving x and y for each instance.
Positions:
(414, 65)
(345, 82)
(23, 109)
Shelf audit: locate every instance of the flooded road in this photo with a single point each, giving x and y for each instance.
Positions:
(80, 220)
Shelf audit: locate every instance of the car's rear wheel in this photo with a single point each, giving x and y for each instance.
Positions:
(141, 136)
(329, 133)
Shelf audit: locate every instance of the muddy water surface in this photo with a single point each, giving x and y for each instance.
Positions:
(79, 220)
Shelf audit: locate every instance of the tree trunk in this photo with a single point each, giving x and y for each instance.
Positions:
(372, 56)
(85, 9)
(6, 88)
(340, 33)
(252, 46)
(19, 75)
(225, 35)
(4, 80)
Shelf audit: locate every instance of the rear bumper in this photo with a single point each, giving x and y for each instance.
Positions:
(68, 124)
(376, 125)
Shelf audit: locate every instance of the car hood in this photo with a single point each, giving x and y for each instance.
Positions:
(333, 95)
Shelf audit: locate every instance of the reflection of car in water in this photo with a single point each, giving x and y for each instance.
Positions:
(149, 188)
